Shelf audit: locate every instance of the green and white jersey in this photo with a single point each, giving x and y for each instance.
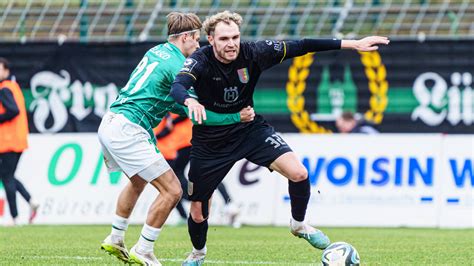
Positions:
(145, 98)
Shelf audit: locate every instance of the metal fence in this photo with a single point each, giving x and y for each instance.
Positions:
(145, 20)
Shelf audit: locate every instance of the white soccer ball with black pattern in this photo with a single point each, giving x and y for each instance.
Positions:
(340, 254)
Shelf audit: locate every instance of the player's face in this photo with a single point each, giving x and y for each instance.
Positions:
(191, 43)
(225, 42)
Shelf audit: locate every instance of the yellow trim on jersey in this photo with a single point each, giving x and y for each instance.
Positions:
(188, 74)
(284, 52)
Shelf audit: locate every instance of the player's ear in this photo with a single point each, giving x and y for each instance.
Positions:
(210, 39)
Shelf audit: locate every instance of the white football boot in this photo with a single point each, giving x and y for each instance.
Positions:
(146, 259)
(195, 258)
(115, 247)
(314, 236)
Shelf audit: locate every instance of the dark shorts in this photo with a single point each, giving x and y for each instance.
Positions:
(209, 164)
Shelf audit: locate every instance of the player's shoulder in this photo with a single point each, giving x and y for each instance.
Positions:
(164, 52)
(256, 45)
(203, 53)
(197, 59)
(246, 46)
(266, 44)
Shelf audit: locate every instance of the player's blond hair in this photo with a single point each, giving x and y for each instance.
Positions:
(182, 22)
(227, 17)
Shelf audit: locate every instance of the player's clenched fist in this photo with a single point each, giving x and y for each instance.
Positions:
(247, 114)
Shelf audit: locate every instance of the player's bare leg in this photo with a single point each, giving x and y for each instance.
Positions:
(299, 189)
(197, 228)
(114, 244)
(170, 194)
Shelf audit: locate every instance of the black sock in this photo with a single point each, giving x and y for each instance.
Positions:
(299, 196)
(197, 233)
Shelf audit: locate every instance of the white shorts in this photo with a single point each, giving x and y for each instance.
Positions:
(128, 147)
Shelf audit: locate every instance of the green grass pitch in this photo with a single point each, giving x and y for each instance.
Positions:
(79, 245)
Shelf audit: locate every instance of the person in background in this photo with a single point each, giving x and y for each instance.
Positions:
(347, 123)
(13, 140)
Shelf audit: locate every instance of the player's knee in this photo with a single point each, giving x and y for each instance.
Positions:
(299, 174)
(197, 216)
(172, 194)
(175, 194)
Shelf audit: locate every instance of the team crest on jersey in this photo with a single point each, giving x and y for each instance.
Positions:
(243, 75)
(231, 94)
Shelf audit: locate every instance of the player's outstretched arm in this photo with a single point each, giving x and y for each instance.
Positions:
(366, 44)
(270, 53)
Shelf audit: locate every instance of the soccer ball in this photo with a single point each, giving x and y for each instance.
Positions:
(340, 254)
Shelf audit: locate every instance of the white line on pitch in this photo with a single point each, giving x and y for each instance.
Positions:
(64, 257)
(228, 262)
(241, 262)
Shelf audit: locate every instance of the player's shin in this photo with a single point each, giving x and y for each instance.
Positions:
(197, 233)
(300, 193)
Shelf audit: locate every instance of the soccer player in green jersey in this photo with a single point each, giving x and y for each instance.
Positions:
(128, 143)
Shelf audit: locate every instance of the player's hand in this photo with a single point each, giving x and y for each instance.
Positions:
(197, 112)
(247, 114)
(366, 44)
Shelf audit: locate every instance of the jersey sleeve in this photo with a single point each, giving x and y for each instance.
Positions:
(266, 53)
(193, 65)
(217, 119)
(213, 119)
(179, 109)
(192, 69)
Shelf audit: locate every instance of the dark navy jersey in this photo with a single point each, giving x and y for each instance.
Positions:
(227, 88)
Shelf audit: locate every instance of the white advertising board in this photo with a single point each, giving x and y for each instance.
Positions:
(65, 173)
(383, 180)
(368, 181)
(456, 208)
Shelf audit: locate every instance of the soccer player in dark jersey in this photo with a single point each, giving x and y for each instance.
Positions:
(221, 77)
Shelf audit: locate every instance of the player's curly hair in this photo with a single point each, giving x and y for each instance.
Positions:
(182, 22)
(210, 23)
